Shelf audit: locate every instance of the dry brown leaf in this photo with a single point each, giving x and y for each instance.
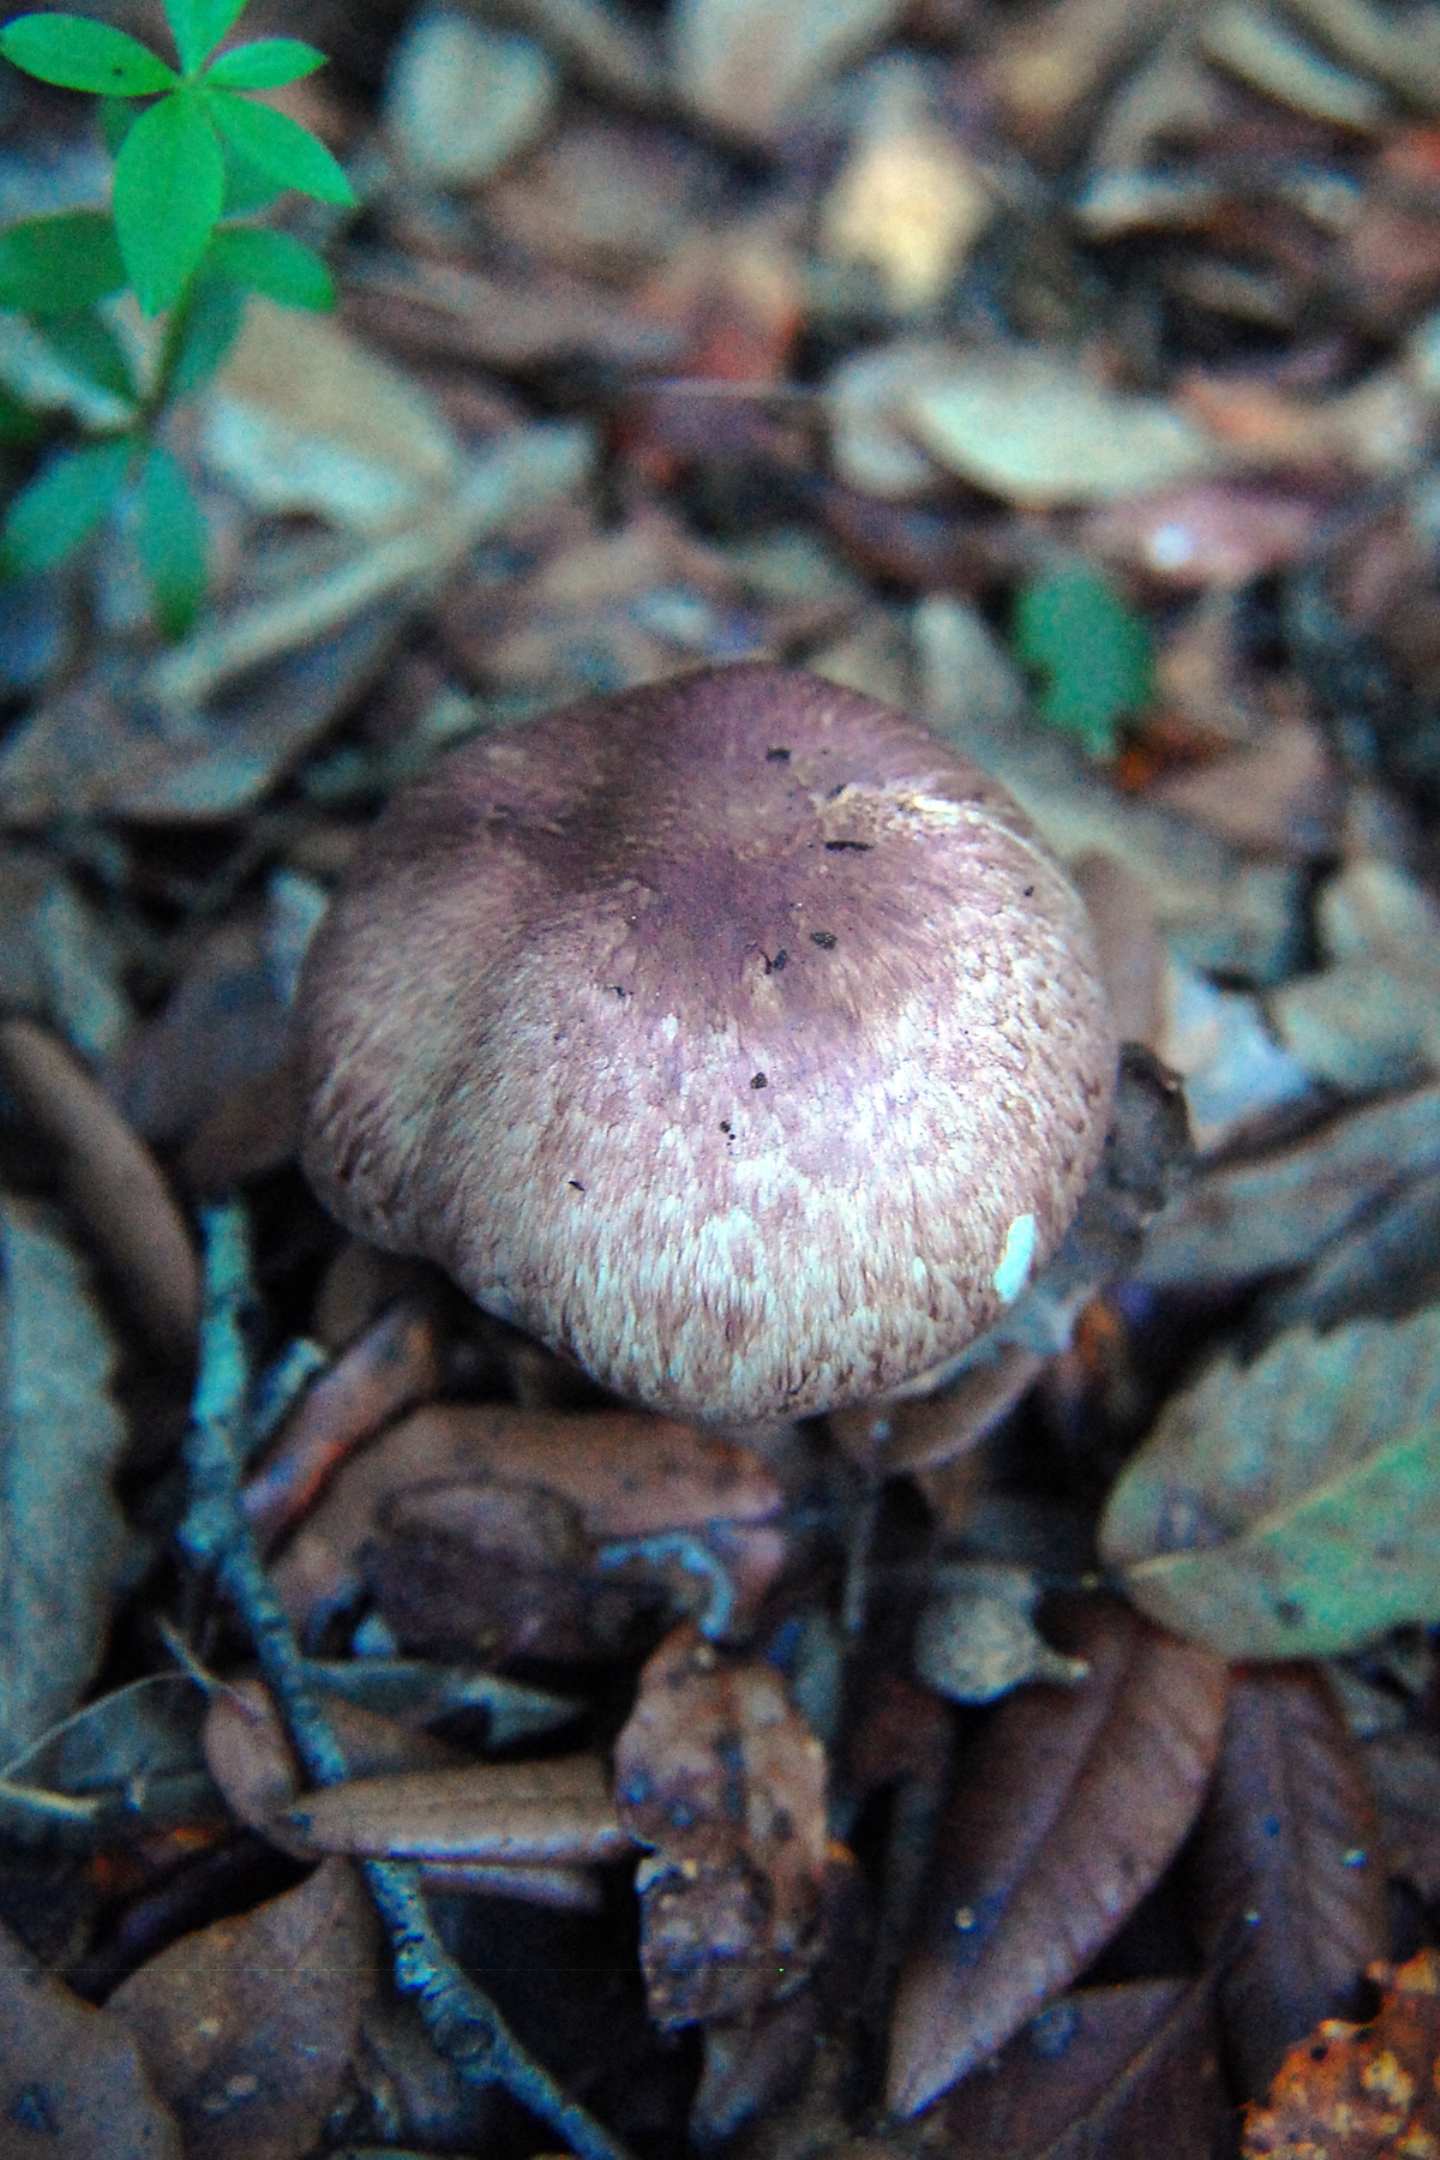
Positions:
(1289, 1875)
(72, 2082)
(247, 2027)
(626, 1473)
(741, 64)
(1361, 2092)
(556, 1811)
(112, 1181)
(1027, 424)
(1264, 1213)
(394, 1364)
(1068, 1809)
(718, 1772)
(1129, 2071)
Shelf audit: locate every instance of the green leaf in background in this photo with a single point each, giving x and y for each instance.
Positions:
(1291, 1508)
(77, 54)
(265, 64)
(62, 506)
(61, 264)
(273, 263)
(171, 539)
(197, 27)
(282, 148)
(169, 184)
(1090, 649)
(90, 349)
(213, 317)
(17, 423)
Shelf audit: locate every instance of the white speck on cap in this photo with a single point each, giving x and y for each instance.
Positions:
(1012, 1274)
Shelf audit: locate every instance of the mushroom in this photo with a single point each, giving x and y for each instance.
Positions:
(732, 1035)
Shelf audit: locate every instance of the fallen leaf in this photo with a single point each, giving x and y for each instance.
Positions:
(1069, 1807)
(1129, 2071)
(1264, 1213)
(247, 2027)
(62, 1539)
(558, 1810)
(72, 2082)
(1026, 424)
(1361, 2092)
(717, 1771)
(462, 99)
(1290, 1508)
(741, 64)
(1288, 1869)
(303, 417)
(112, 1181)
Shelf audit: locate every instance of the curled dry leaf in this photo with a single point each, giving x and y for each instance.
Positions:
(1068, 1809)
(73, 2083)
(1129, 2071)
(112, 1181)
(559, 1810)
(718, 1771)
(1291, 1508)
(394, 1364)
(1361, 2092)
(247, 2027)
(1288, 1878)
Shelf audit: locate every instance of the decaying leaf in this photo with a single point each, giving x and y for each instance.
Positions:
(1291, 1508)
(1288, 1875)
(72, 2081)
(1067, 1810)
(1129, 2071)
(1361, 2092)
(62, 1540)
(720, 1774)
(247, 2027)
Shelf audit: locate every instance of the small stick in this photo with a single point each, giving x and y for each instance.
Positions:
(464, 2025)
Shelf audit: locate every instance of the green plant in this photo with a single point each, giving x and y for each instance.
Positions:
(195, 158)
(1089, 649)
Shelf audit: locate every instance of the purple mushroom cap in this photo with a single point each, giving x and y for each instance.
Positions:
(732, 1035)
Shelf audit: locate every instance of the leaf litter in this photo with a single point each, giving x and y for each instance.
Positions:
(854, 336)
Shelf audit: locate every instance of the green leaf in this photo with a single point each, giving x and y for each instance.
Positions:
(197, 27)
(273, 263)
(117, 116)
(282, 148)
(62, 506)
(265, 64)
(171, 538)
(90, 348)
(169, 184)
(78, 54)
(1291, 1508)
(213, 316)
(17, 423)
(1091, 650)
(60, 264)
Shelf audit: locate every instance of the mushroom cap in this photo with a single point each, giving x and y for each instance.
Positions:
(732, 1035)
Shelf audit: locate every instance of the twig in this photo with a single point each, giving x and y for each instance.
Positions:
(465, 2026)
